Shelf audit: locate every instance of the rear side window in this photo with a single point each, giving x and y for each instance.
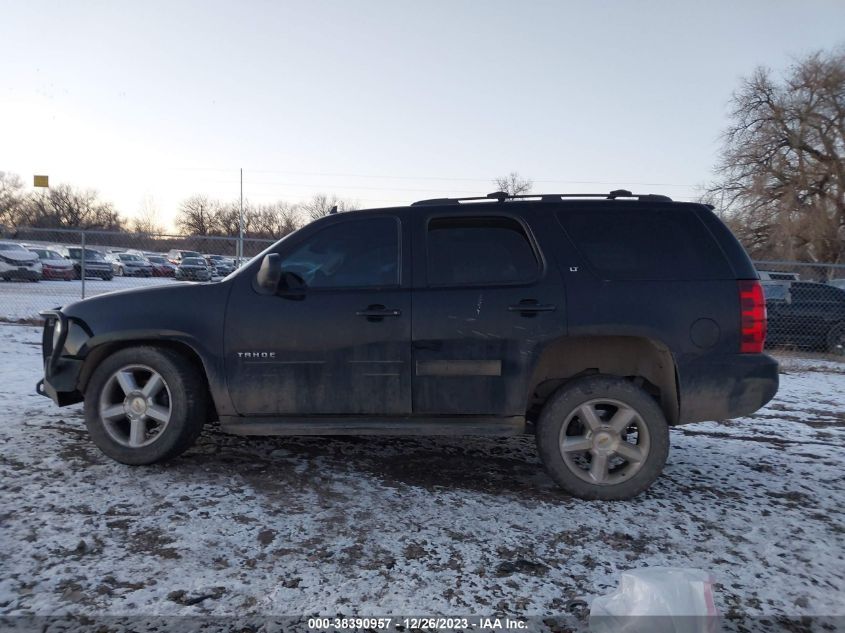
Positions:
(645, 243)
(482, 250)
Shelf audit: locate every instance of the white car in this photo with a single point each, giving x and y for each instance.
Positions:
(18, 263)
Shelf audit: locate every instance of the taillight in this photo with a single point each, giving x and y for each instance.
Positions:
(752, 306)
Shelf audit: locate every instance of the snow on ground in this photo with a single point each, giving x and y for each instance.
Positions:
(24, 300)
(364, 526)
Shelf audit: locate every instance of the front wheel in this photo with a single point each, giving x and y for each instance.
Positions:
(145, 405)
(602, 437)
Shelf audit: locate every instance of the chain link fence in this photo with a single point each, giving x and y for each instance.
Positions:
(805, 301)
(42, 269)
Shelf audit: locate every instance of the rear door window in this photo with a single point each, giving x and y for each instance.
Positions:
(622, 241)
(479, 250)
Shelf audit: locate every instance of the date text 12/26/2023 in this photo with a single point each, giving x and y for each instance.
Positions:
(415, 623)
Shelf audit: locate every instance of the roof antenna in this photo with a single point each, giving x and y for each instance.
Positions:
(333, 210)
(501, 196)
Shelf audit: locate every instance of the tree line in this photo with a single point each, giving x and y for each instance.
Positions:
(65, 206)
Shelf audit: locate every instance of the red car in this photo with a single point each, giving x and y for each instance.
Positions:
(53, 265)
(161, 267)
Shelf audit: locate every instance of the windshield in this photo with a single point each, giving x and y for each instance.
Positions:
(76, 253)
(11, 247)
(156, 260)
(191, 254)
(194, 261)
(130, 258)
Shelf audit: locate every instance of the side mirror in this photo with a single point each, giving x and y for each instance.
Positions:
(269, 274)
(291, 282)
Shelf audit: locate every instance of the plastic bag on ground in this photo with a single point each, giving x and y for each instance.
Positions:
(657, 600)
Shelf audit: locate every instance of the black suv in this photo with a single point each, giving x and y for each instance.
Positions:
(594, 322)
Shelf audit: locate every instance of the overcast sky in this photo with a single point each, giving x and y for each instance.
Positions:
(381, 102)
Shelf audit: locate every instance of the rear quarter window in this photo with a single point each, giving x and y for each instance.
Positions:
(639, 243)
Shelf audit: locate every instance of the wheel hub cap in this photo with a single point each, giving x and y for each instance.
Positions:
(136, 405)
(603, 441)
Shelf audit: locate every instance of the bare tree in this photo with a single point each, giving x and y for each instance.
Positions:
(321, 204)
(12, 198)
(148, 218)
(225, 218)
(513, 184)
(275, 220)
(195, 215)
(782, 169)
(65, 206)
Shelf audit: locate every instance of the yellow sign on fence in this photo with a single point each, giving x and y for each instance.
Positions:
(41, 181)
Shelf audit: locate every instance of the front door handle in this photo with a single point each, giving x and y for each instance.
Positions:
(529, 307)
(378, 312)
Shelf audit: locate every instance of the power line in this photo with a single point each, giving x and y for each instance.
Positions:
(442, 178)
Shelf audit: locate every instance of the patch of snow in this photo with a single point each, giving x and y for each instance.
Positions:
(365, 526)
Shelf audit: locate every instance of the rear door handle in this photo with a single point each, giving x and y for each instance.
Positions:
(530, 306)
(378, 312)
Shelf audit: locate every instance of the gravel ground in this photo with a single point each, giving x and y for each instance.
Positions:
(365, 526)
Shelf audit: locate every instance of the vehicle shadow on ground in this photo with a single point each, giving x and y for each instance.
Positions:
(499, 466)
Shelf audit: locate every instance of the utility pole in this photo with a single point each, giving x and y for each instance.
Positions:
(241, 222)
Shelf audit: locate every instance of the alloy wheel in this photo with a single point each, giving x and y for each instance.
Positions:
(135, 406)
(604, 442)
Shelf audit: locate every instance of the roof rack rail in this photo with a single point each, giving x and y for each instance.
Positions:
(501, 196)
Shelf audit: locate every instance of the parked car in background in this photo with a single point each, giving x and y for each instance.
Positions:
(130, 265)
(773, 275)
(16, 262)
(161, 267)
(807, 315)
(193, 269)
(222, 265)
(95, 264)
(53, 265)
(176, 255)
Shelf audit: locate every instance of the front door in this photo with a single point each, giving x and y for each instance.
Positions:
(484, 306)
(337, 345)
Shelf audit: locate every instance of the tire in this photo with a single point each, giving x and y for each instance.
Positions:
(591, 468)
(836, 339)
(182, 396)
(108, 277)
(120, 272)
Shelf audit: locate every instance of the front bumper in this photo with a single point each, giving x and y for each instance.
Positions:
(61, 374)
(726, 386)
(58, 273)
(28, 274)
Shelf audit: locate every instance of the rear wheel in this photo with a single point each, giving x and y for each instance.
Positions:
(602, 437)
(145, 405)
(836, 339)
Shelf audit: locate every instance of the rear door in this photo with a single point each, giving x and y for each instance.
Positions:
(485, 302)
